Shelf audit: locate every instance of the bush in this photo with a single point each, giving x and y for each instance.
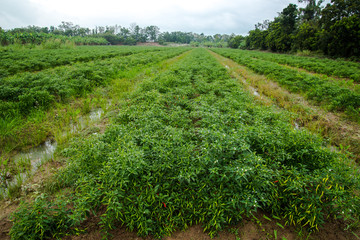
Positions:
(42, 219)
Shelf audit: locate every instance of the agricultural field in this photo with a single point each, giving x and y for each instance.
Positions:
(224, 144)
(32, 60)
(329, 67)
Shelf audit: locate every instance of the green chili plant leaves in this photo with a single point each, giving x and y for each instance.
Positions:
(331, 94)
(191, 146)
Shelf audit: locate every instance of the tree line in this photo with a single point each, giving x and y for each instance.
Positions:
(109, 35)
(333, 29)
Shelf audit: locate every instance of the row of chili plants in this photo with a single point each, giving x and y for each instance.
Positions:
(190, 146)
(330, 94)
(330, 67)
(24, 95)
(31, 60)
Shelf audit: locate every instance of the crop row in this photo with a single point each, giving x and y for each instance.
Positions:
(190, 146)
(22, 93)
(338, 68)
(331, 94)
(16, 61)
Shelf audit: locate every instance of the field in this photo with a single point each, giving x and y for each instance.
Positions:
(150, 141)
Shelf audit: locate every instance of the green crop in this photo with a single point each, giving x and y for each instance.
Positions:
(42, 219)
(190, 146)
(16, 61)
(338, 68)
(25, 92)
(331, 94)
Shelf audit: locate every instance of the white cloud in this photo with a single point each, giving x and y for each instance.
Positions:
(207, 16)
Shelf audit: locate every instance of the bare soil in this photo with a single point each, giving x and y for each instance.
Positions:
(249, 229)
(153, 44)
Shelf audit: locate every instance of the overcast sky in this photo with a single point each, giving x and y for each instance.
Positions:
(199, 16)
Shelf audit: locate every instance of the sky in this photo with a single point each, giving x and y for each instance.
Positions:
(198, 16)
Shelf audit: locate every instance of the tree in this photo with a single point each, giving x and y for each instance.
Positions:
(236, 41)
(152, 32)
(257, 39)
(307, 36)
(337, 10)
(345, 39)
(68, 28)
(263, 26)
(280, 31)
(288, 18)
(312, 11)
(341, 22)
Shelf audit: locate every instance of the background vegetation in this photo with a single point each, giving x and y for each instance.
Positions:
(114, 35)
(332, 30)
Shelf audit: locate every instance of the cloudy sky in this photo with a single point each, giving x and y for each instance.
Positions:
(200, 16)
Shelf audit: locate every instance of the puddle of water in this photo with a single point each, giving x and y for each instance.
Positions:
(254, 91)
(83, 122)
(36, 156)
(96, 114)
(32, 159)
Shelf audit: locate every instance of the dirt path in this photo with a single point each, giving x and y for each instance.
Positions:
(251, 228)
(340, 132)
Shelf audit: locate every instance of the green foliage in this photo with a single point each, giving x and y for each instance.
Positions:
(189, 147)
(21, 60)
(113, 39)
(307, 37)
(331, 94)
(345, 37)
(277, 39)
(56, 44)
(256, 39)
(237, 42)
(46, 39)
(334, 30)
(25, 94)
(312, 11)
(42, 219)
(330, 67)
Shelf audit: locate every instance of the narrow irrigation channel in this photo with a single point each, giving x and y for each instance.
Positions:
(30, 160)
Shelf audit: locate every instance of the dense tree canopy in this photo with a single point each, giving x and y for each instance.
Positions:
(333, 29)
